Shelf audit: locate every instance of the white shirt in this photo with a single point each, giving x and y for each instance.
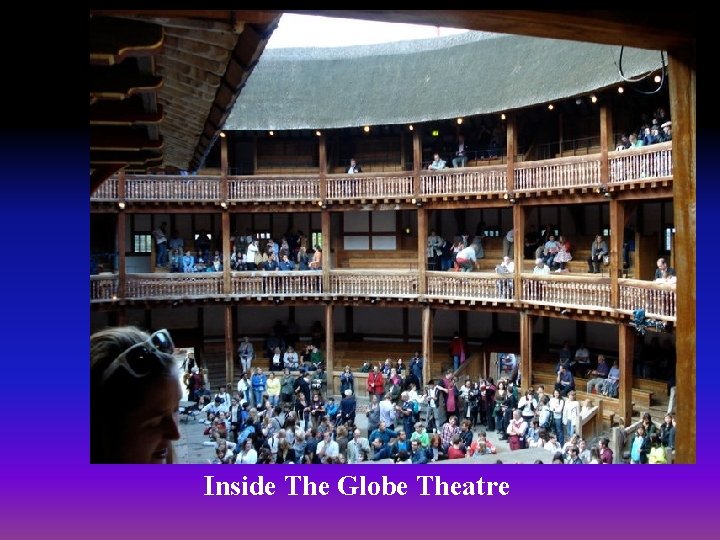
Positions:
(387, 412)
(248, 458)
(331, 449)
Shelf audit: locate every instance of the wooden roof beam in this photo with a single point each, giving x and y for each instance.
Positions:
(120, 82)
(112, 40)
(123, 113)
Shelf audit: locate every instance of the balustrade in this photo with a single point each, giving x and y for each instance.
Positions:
(380, 283)
(369, 186)
(469, 286)
(566, 291)
(464, 182)
(645, 162)
(174, 286)
(558, 173)
(274, 188)
(277, 284)
(103, 287)
(172, 188)
(659, 300)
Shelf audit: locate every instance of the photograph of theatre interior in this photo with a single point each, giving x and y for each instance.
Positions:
(475, 247)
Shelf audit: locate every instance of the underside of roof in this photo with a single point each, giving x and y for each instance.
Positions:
(422, 80)
(162, 83)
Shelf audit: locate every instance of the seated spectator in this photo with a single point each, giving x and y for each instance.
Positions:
(635, 142)
(456, 450)
(598, 252)
(286, 264)
(563, 255)
(354, 167)
(550, 250)
(188, 263)
(623, 143)
(290, 359)
(565, 381)
(664, 274)
(460, 159)
(466, 258)
(599, 375)
(437, 163)
(316, 262)
(610, 386)
(540, 267)
(582, 360)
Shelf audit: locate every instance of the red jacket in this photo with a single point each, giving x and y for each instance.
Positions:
(375, 383)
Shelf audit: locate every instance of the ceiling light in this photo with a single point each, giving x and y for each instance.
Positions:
(222, 134)
(271, 133)
(318, 133)
(620, 89)
(366, 129)
(121, 205)
(593, 99)
(502, 116)
(459, 121)
(657, 78)
(551, 107)
(410, 127)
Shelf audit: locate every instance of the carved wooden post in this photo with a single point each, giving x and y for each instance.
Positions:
(617, 231)
(682, 105)
(329, 346)
(626, 348)
(427, 343)
(526, 330)
(229, 346)
(422, 218)
(605, 143)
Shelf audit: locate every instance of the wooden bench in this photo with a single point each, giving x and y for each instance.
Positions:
(659, 389)
(641, 398)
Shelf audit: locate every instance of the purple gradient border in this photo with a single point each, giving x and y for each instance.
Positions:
(50, 491)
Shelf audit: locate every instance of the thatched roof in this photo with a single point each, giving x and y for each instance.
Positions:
(421, 80)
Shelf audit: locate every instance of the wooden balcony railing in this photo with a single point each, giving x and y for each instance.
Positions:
(274, 188)
(369, 186)
(589, 293)
(560, 173)
(649, 162)
(469, 286)
(103, 287)
(376, 283)
(646, 162)
(172, 188)
(567, 291)
(174, 286)
(107, 191)
(659, 300)
(277, 284)
(464, 182)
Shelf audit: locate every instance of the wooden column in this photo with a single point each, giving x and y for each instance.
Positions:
(682, 105)
(229, 346)
(511, 151)
(422, 220)
(617, 230)
(406, 324)
(605, 143)
(325, 228)
(427, 343)
(518, 248)
(227, 278)
(625, 360)
(329, 345)
(121, 228)
(322, 160)
(526, 335)
(417, 161)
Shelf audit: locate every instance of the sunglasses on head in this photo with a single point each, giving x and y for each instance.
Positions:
(137, 360)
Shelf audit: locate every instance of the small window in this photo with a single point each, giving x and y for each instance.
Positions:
(606, 231)
(316, 239)
(668, 239)
(142, 242)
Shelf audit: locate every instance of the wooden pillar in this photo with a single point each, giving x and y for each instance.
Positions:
(518, 248)
(227, 277)
(417, 161)
(625, 351)
(605, 143)
(121, 228)
(427, 343)
(422, 219)
(486, 363)
(682, 105)
(511, 151)
(526, 335)
(325, 228)
(322, 160)
(329, 345)
(617, 230)
(229, 346)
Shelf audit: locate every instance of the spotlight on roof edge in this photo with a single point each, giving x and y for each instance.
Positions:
(620, 89)
(435, 133)
(366, 129)
(222, 134)
(593, 99)
(551, 107)
(502, 116)
(410, 127)
(271, 133)
(318, 133)
(459, 121)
